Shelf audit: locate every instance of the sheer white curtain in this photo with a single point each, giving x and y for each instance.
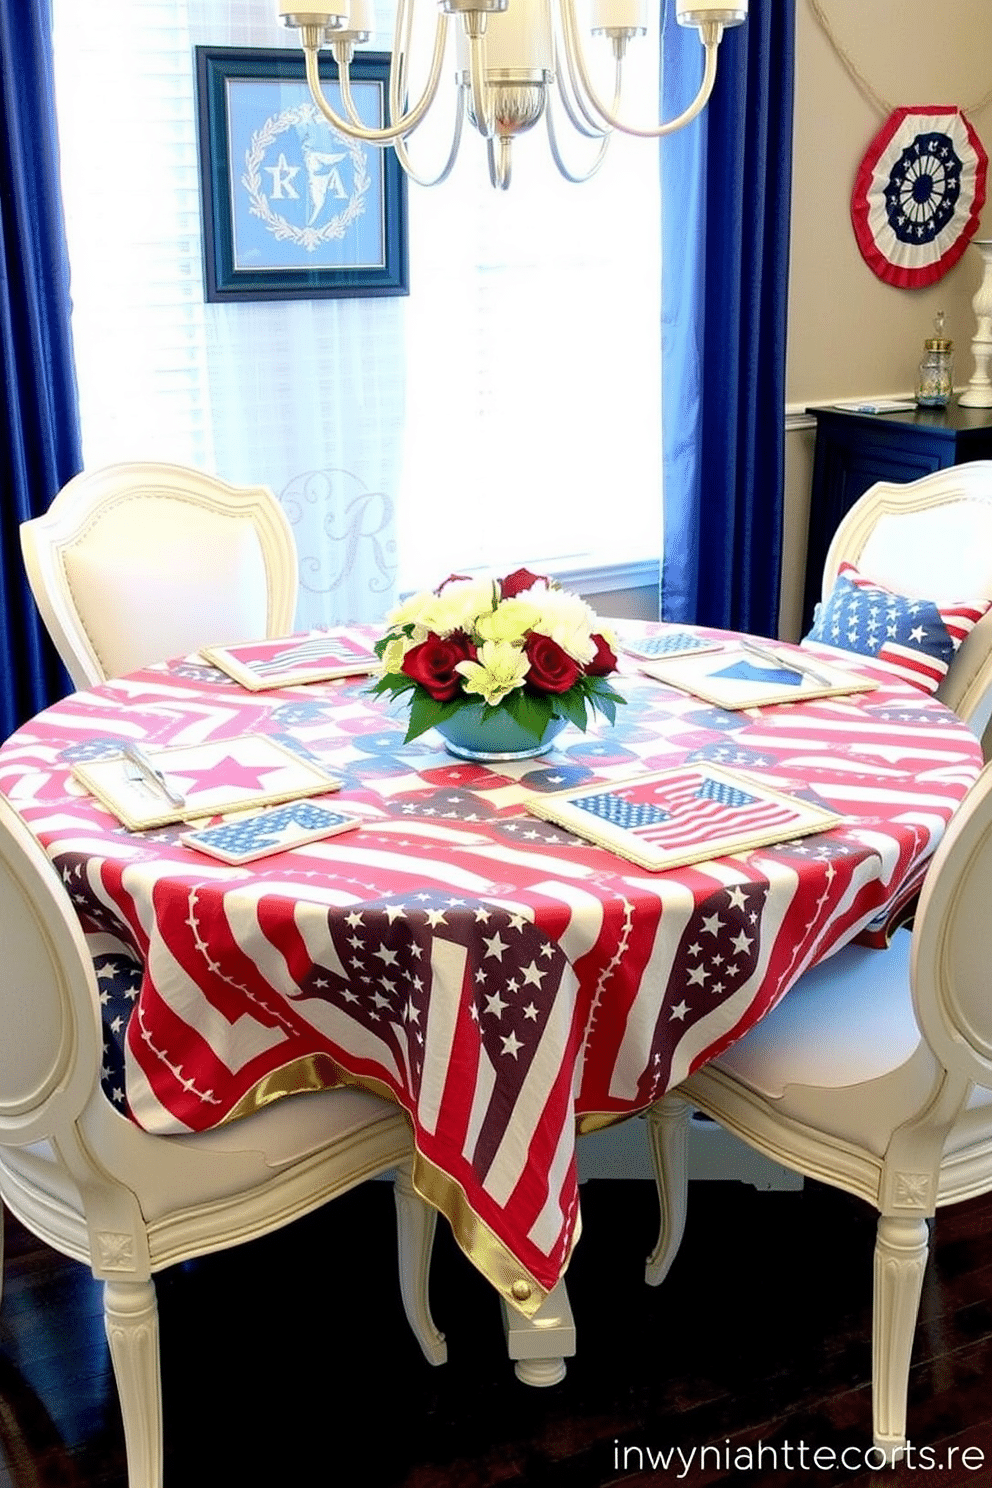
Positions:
(507, 412)
(304, 396)
(534, 397)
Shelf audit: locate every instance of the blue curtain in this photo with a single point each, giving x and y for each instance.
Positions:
(726, 183)
(39, 432)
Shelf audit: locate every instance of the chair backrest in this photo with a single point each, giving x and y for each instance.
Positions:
(135, 563)
(50, 1037)
(952, 945)
(931, 539)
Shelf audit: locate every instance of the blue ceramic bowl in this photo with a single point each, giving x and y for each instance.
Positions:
(483, 733)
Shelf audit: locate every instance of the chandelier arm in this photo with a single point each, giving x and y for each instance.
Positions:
(582, 119)
(456, 139)
(347, 97)
(563, 170)
(709, 35)
(485, 121)
(402, 42)
(397, 63)
(355, 129)
(602, 135)
(571, 97)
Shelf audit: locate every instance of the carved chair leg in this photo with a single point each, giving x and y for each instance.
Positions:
(130, 1312)
(668, 1130)
(415, 1224)
(900, 1260)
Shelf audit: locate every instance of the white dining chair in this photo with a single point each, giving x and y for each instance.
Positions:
(136, 563)
(873, 1074)
(931, 539)
(84, 1178)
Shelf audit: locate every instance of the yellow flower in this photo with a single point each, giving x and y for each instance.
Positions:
(499, 669)
(410, 610)
(393, 654)
(457, 607)
(568, 620)
(510, 621)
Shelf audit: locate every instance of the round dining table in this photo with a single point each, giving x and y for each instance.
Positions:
(509, 983)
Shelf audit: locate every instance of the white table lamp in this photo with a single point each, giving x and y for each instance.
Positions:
(978, 393)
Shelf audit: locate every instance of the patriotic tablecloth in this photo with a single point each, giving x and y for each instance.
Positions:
(504, 981)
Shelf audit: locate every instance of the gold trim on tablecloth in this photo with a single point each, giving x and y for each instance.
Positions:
(296, 1078)
(486, 1251)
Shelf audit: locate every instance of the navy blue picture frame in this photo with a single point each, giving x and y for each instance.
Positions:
(291, 209)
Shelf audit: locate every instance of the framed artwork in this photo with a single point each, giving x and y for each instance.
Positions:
(292, 209)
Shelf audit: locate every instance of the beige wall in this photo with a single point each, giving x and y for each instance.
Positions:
(850, 334)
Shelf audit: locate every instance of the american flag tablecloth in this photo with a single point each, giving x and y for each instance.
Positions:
(498, 977)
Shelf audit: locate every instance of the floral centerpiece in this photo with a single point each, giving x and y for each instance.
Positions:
(498, 665)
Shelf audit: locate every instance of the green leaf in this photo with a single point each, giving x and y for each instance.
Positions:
(533, 711)
(572, 705)
(394, 682)
(425, 713)
(601, 688)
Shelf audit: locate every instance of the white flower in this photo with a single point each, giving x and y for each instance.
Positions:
(567, 619)
(499, 669)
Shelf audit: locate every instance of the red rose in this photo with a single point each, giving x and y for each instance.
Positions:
(432, 664)
(604, 661)
(518, 581)
(551, 668)
(452, 579)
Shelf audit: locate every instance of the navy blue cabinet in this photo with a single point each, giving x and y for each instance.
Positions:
(854, 450)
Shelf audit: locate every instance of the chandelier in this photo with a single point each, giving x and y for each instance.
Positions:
(509, 53)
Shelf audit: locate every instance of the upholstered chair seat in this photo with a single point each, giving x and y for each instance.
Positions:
(873, 1074)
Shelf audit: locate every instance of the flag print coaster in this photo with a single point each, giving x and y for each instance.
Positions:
(737, 676)
(274, 831)
(669, 643)
(292, 660)
(690, 814)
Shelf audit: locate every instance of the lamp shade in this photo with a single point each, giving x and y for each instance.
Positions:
(296, 13)
(718, 12)
(630, 16)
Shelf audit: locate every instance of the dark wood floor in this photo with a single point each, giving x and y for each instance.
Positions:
(282, 1367)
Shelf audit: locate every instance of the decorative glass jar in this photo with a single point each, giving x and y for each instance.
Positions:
(936, 376)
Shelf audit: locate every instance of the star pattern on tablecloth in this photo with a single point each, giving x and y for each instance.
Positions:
(734, 755)
(90, 749)
(118, 979)
(386, 952)
(914, 716)
(444, 805)
(534, 832)
(718, 953)
(556, 777)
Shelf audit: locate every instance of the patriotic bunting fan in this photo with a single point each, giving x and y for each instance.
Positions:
(918, 195)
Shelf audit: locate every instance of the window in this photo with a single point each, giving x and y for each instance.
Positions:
(507, 412)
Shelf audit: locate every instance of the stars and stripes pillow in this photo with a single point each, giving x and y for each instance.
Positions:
(917, 637)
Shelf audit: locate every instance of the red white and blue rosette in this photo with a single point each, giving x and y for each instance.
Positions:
(918, 195)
